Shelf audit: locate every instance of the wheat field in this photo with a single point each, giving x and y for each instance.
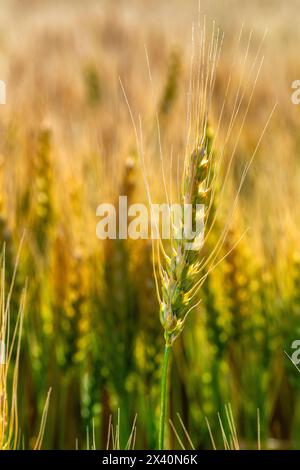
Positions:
(98, 95)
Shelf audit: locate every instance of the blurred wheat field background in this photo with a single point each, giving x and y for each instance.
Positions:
(91, 327)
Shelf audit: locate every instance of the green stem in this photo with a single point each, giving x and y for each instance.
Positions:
(163, 398)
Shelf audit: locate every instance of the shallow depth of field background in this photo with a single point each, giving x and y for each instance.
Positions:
(67, 144)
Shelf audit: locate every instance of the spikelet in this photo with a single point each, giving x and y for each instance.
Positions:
(70, 278)
(240, 289)
(119, 309)
(237, 285)
(171, 87)
(7, 245)
(74, 322)
(291, 322)
(76, 308)
(216, 322)
(43, 183)
(288, 330)
(238, 306)
(92, 85)
(296, 290)
(182, 269)
(284, 380)
(6, 241)
(5, 232)
(96, 403)
(128, 181)
(117, 273)
(149, 346)
(261, 328)
(39, 256)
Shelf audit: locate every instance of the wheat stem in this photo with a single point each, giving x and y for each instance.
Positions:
(163, 397)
